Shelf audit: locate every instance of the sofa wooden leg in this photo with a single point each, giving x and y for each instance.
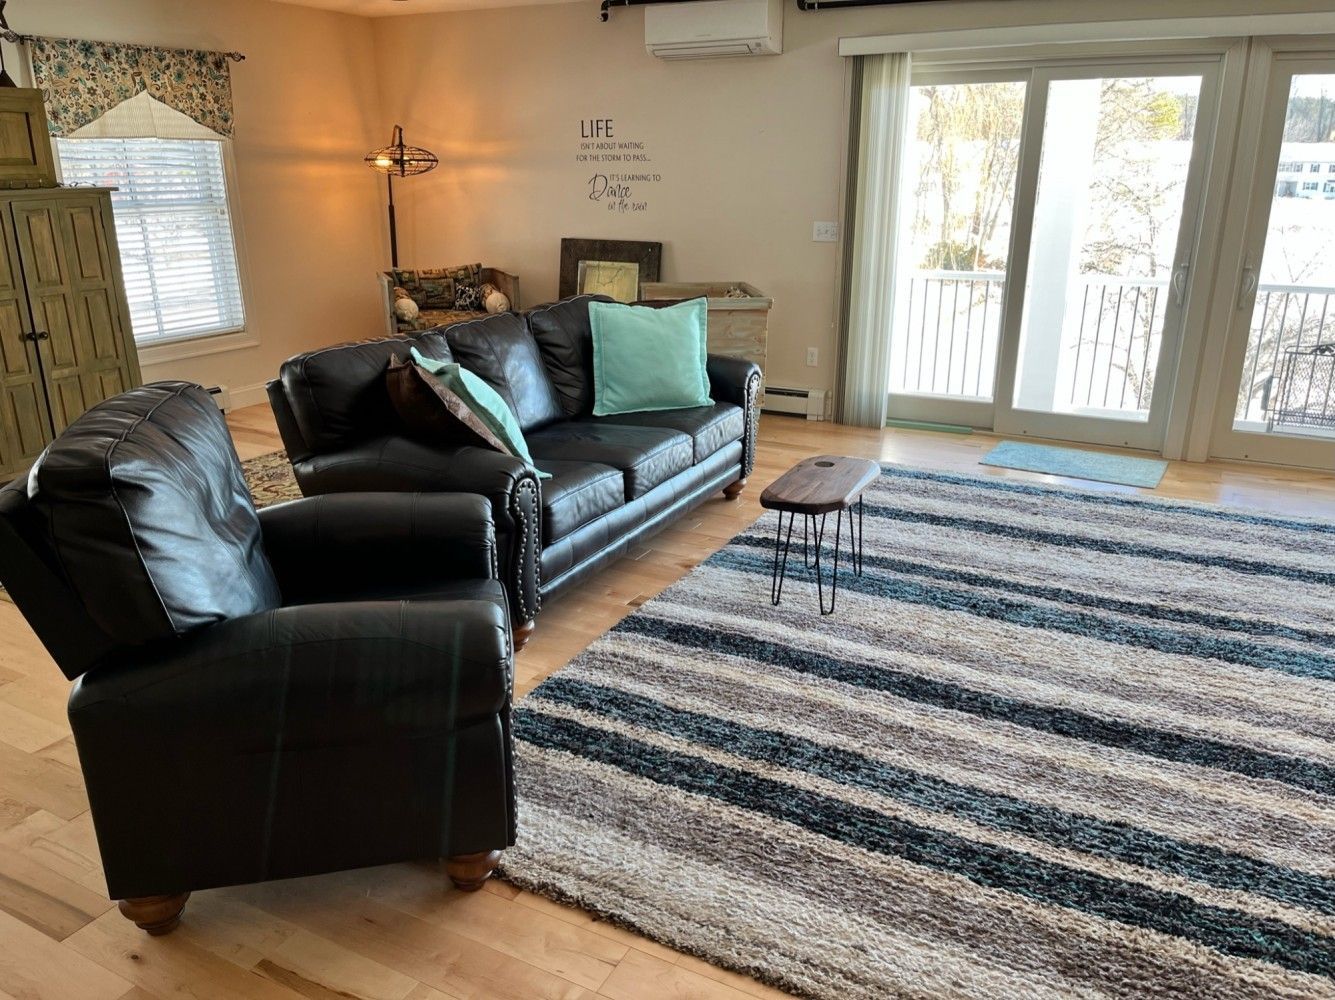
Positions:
(733, 490)
(523, 633)
(156, 914)
(469, 871)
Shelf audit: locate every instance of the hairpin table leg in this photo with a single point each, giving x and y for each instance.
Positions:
(834, 575)
(780, 568)
(855, 541)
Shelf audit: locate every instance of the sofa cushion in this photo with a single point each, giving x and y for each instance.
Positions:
(577, 493)
(646, 456)
(501, 351)
(710, 427)
(429, 319)
(396, 462)
(565, 339)
(338, 394)
(150, 516)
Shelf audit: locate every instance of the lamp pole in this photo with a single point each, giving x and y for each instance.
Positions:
(393, 228)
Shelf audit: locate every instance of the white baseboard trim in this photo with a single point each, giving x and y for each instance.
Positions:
(249, 395)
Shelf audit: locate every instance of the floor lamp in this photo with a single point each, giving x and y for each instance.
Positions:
(404, 161)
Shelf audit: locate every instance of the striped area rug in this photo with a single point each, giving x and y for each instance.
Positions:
(1052, 744)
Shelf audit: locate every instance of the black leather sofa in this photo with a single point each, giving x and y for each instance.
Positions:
(254, 696)
(614, 479)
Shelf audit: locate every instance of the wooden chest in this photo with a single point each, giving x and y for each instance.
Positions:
(738, 325)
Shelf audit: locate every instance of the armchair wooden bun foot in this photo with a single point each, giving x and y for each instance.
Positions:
(157, 915)
(469, 871)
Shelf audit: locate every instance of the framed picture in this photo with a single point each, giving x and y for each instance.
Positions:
(608, 267)
(618, 279)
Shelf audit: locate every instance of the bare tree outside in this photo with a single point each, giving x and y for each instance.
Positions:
(970, 137)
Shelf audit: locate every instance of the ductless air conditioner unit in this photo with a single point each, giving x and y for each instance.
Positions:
(712, 29)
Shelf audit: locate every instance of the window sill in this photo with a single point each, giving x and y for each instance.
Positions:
(195, 347)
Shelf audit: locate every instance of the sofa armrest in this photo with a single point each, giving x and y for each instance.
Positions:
(737, 381)
(293, 442)
(507, 283)
(402, 464)
(344, 544)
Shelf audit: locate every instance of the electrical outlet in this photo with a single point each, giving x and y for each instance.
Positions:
(825, 232)
(813, 357)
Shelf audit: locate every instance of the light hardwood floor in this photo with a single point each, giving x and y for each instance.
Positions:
(397, 933)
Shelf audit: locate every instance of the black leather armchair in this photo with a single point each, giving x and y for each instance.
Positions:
(323, 685)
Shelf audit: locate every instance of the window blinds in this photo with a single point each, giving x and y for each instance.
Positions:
(174, 229)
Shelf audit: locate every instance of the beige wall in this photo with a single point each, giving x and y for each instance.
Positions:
(306, 112)
(750, 150)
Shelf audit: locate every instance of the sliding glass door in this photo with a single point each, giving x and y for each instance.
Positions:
(1045, 269)
(1113, 194)
(1277, 393)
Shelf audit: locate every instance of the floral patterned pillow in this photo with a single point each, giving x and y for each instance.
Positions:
(468, 297)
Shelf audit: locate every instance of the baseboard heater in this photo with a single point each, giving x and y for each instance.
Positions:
(220, 396)
(809, 403)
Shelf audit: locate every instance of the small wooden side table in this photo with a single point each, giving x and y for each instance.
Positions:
(814, 488)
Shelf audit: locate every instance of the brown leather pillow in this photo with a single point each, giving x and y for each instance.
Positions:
(432, 412)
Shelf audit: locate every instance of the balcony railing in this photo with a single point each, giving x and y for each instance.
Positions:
(1288, 320)
(948, 327)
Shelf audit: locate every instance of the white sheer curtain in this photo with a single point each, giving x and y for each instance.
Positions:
(882, 136)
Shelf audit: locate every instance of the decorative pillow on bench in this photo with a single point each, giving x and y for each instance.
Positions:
(446, 403)
(649, 359)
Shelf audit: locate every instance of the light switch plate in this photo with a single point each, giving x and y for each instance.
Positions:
(825, 232)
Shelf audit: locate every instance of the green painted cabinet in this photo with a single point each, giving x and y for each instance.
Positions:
(65, 336)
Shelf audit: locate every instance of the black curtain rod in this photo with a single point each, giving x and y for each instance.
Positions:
(17, 39)
(607, 5)
(807, 5)
(819, 5)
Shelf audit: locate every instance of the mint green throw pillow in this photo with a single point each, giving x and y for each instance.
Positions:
(649, 359)
(485, 402)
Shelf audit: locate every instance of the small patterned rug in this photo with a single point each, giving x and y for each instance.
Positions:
(270, 479)
(1052, 744)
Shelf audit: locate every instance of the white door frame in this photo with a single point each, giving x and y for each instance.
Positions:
(1149, 434)
(1273, 64)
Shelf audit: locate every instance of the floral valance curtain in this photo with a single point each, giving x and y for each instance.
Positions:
(84, 80)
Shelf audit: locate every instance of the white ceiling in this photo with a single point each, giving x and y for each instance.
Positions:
(388, 8)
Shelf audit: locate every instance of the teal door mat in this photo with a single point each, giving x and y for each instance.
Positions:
(1077, 463)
